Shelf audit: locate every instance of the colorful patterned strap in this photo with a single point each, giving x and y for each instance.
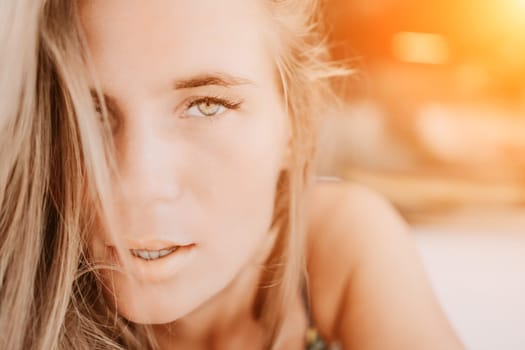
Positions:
(314, 341)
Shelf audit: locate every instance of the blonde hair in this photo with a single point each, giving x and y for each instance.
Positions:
(52, 150)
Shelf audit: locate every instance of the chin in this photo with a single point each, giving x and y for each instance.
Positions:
(155, 314)
(155, 307)
(163, 303)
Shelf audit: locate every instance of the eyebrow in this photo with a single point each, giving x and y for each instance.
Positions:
(219, 79)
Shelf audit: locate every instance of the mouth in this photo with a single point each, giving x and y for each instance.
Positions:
(155, 250)
(146, 254)
(152, 250)
(157, 261)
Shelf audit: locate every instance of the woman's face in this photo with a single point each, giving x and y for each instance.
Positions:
(201, 137)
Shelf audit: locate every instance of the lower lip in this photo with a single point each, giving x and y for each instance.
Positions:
(165, 268)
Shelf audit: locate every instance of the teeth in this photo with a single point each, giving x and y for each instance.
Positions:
(152, 254)
(165, 252)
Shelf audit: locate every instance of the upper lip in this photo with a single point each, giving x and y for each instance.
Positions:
(153, 244)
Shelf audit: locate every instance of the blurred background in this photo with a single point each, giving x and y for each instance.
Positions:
(435, 120)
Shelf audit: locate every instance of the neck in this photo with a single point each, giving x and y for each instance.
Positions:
(226, 319)
(216, 319)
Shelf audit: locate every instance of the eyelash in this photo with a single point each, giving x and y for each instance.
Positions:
(222, 101)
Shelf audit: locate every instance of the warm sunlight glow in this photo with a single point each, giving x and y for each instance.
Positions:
(520, 4)
(425, 48)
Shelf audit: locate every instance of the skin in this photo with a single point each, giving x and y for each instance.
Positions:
(183, 175)
(368, 287)
(187, 176)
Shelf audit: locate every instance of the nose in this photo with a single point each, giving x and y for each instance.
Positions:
(147, 166)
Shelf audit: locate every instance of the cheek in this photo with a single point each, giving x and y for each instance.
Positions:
(242, 176)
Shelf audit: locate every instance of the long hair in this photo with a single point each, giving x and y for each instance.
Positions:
(55, 158)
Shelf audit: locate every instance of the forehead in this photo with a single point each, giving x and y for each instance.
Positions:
(186, 37)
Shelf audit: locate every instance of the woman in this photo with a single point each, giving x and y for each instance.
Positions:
(156, 188)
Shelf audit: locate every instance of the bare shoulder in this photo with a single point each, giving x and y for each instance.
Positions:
(343, 212)
(365, 277)
(344, 219)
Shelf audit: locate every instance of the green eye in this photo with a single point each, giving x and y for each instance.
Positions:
(209, 107)
(206, 108)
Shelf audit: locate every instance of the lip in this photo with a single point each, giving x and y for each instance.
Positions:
(150, 244)
(161, 269)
